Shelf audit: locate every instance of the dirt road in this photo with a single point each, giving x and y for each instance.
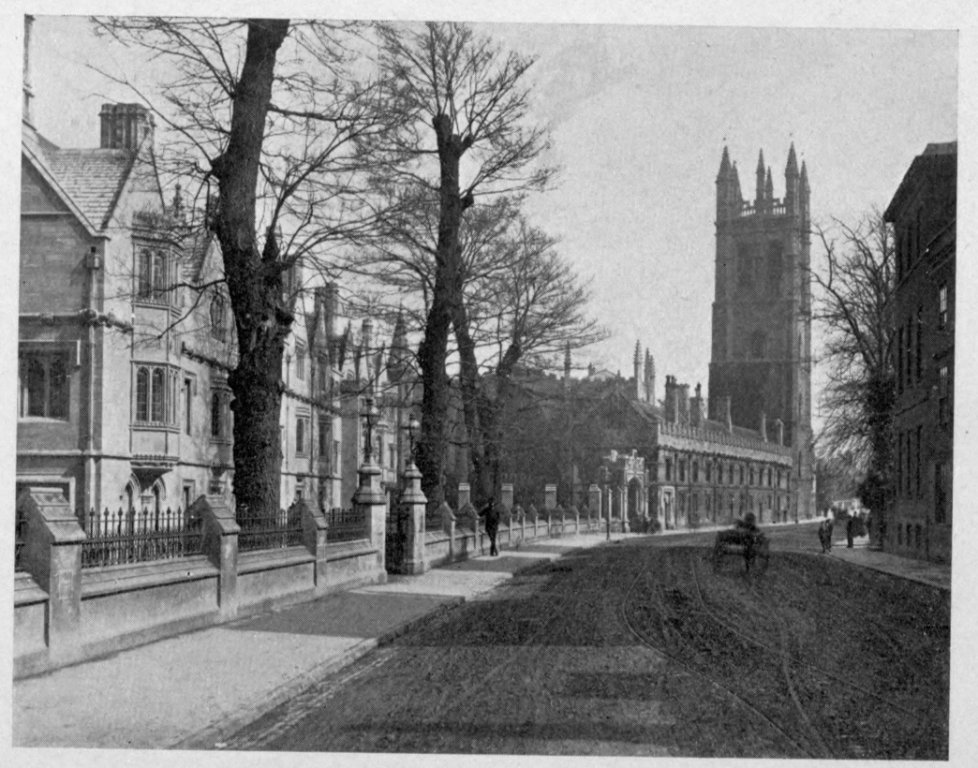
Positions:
(644, 648)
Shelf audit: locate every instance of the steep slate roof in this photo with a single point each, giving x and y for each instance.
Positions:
(93, 178)
(194, 245)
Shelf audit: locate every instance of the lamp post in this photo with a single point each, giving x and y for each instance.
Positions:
(370, 415)
(412, 427)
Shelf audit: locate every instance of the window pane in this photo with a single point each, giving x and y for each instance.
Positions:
(142, 395)
(36, 386)
(143, 278)
(58, 387)
(159, 277)
(215, 415)
(156, 392)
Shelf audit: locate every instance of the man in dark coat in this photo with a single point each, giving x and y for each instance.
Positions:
(825, 534)
(491, 515)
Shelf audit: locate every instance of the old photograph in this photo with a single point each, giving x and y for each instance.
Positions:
(403, 382)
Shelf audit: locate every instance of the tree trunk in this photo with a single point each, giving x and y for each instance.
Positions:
(433, 352)
(254, 279)
(470, 381)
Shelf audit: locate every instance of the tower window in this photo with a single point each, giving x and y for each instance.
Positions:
(942, 306)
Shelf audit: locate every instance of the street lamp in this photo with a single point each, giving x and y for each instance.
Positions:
(370, 420)
(412, 427)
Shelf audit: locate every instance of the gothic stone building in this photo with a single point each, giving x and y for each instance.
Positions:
(122, 366)
(923, 215)
(761, 354)
(668, 462)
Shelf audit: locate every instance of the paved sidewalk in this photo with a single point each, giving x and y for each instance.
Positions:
(191, 690)
(934, 574)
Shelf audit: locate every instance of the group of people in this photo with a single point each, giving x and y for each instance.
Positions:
(856, 526)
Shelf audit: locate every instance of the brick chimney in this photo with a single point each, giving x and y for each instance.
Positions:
(763, 429)
(725, 412)
(125, 126)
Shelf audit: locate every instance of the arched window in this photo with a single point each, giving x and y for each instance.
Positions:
(142, 394)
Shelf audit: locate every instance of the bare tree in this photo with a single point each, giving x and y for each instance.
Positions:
(458, 96)
(854, 289)
(530, 309)
(264, 109)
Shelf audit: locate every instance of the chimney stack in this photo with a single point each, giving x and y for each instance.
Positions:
(696, 408)
(683, 415)
(725, 412)
(763, 426)
(125, 126)
(671, 404)
(779, 430)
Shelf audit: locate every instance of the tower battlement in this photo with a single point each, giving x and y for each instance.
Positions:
(761, 359)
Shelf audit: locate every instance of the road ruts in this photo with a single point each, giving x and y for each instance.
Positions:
(713, 681)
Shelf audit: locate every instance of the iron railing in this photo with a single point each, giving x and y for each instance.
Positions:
(345, 524)
(138, 536)
(261, 530)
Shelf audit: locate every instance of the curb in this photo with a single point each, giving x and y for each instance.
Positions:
(206, 737)
(895, 574)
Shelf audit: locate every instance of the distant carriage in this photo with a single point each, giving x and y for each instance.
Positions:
(744, 540)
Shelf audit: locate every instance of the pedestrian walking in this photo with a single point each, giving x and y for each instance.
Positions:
(491, 516)
(850, 529)
(825, 534)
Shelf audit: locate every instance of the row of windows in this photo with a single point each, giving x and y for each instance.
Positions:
(763, 476)
(909, 342)
(732, 503)
(908, 245)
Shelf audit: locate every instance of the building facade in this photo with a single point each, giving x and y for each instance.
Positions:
(664, 464)
(126, 340)
(923, 215)
(761, 351)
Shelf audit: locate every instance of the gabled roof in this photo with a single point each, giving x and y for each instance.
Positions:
(33, 155)
(195, 245)
(93, 178)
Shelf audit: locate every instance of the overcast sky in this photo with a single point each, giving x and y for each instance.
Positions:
(640, 114)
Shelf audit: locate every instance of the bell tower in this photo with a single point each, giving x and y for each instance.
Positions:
(761, 353)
